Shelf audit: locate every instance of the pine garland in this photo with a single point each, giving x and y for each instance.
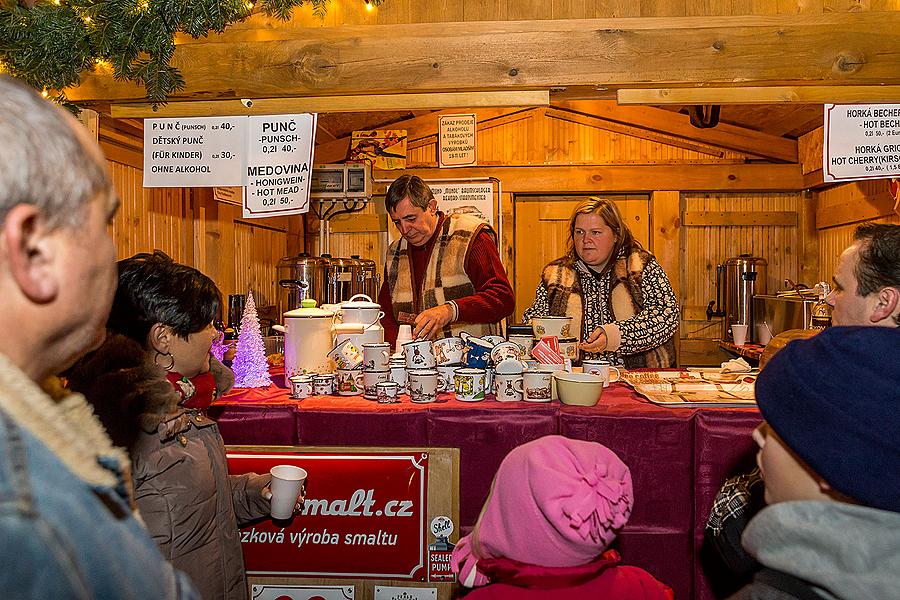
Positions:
(49, 44)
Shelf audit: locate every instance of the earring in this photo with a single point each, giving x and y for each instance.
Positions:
(168, 367)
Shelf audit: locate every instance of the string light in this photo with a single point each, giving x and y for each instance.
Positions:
(249, 5)
(369, 5)
(44, 93)
(86, 19)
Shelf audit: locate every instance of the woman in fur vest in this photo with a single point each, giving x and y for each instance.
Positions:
(151, 383)
(620, 300)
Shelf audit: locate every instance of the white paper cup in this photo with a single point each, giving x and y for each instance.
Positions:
(740, 334)
(286, 483)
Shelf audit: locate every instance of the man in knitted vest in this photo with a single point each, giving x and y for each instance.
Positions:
(444, 274)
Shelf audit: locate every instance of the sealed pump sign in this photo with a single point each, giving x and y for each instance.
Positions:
(862, 141)
(364, 516)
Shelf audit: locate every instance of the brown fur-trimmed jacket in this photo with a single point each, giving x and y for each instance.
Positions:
(190, 504)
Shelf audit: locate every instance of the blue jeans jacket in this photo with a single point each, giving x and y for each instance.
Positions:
(63, 538)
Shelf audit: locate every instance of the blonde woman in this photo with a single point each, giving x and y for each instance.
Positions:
(620, 300)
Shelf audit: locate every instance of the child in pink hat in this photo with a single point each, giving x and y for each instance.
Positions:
(554, 508)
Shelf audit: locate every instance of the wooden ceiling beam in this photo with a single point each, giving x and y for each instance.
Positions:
(333, 104)
(803, 94)
(845, 48)
(623, 178)
(722, 135)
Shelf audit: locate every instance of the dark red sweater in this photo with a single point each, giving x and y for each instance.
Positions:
(602, 578)
(493, 299)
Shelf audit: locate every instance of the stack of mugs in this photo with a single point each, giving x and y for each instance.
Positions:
(376, 370)
(558, 327)
(423, 380)
(349, 373)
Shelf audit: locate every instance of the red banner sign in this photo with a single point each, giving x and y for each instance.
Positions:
(364, 516)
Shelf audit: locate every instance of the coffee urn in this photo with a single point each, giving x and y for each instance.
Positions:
(738, 279)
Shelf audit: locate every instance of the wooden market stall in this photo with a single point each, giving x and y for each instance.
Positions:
(573, 98)
(543, 79)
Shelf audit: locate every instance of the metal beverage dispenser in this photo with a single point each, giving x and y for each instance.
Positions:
(737, 281)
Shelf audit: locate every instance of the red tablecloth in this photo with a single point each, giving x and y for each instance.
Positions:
(678, 457)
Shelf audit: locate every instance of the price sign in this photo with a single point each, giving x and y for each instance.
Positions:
(279, 161)
(861, 141)
(194, 152)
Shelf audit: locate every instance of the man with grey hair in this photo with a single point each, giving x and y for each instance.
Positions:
(444, 274)
(67, 529)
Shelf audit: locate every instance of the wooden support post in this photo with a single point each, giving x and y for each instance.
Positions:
(665, 239)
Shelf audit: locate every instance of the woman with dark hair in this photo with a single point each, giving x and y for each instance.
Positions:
(151, 383)
(619, 298)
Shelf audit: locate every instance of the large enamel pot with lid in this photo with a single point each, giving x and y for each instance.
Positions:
(307, 339)
(359, 312)
(361, 309)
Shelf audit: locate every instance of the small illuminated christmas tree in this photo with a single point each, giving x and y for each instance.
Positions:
(250, 367)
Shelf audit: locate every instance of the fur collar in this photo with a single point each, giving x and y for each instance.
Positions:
(129, 392)
(68, 427)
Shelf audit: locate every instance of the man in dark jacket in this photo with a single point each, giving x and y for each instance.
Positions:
(829, 456)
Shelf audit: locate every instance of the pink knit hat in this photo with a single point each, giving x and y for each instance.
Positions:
(555, 502)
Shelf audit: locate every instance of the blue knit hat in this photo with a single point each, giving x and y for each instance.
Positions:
(835, 401)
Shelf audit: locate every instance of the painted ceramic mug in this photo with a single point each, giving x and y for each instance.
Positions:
(388, 392)
(505, 387)
(323, 385)
(601, 368)
(469, 384)
(376, 356)
(423, 385)
(370, 380)
(478, 352)
(448, 351)
(419, 354)
(568, 347)
(535, 386)
(346, 356)
(558, 326)
(349, 382)
(301, 386)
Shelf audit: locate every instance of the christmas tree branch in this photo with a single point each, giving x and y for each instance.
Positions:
(50, 43)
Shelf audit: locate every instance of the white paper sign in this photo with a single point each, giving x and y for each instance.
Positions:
(457, 141)
(862, 141)
(303, 592)
(472, 198)
(385, 592)
(279, 161)
(194, 152)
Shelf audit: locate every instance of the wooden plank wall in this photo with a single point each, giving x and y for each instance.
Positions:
(844, 207)
(704, 247)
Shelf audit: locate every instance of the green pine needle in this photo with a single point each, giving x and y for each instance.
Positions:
(48, 45)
